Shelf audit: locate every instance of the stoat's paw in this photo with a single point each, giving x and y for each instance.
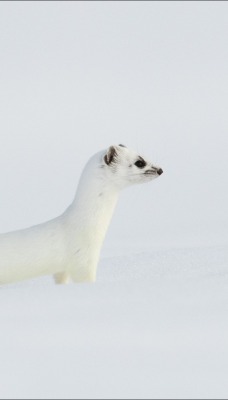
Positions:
(61, 278)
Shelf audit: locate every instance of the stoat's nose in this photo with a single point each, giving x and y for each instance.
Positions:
(159, 171)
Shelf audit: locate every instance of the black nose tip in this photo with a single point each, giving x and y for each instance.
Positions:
(160, 171)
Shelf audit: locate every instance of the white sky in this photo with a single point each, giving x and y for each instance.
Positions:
(76, 77)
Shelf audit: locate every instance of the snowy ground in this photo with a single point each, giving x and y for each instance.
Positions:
(153, 326)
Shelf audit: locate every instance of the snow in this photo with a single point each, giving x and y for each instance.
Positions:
(154, 325)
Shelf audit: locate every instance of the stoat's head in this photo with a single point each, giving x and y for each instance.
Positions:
(125, 167)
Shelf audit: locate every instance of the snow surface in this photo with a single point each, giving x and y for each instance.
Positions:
(154, 325)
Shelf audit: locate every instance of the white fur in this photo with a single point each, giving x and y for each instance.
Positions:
(69, 246)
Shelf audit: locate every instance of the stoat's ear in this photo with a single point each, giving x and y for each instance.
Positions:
(110, 155)
(122, 145)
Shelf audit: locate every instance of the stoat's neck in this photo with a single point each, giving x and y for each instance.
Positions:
(91, 211)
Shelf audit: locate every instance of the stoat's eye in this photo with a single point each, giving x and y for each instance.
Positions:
(140, 163)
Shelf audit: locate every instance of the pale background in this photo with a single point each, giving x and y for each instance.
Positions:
(76, 77)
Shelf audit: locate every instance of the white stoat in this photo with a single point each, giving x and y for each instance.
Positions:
(69, 246)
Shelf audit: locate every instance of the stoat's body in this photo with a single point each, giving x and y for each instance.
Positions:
(69, 246)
